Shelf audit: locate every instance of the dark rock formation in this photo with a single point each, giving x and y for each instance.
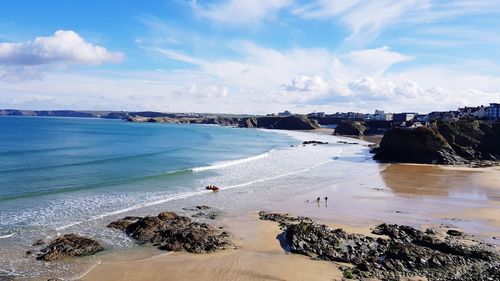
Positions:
(283, 219)
(314, 142)
(416, 145)
(347, 128)
(294, 122)
(70, 245)
(451, 143)
(169, 231)
(407, 252)
(473, 140)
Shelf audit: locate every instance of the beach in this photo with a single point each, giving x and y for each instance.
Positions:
(465, 199)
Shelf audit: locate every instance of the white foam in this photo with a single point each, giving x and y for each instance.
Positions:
(220, 165)
(7, 235)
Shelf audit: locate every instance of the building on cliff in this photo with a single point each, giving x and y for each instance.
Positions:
(403, 117)
(494, 111)
(477, 112)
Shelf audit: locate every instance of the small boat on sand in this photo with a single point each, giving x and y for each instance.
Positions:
(212, 187)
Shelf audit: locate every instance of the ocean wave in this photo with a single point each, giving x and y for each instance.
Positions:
(221, 165)
(7, 235)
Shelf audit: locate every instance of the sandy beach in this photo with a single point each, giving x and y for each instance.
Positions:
(461, 198)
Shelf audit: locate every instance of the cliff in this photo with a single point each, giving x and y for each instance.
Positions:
(416, 145)
(450, 143)
(294, 122)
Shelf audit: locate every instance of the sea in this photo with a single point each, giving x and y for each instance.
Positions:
(74, 175)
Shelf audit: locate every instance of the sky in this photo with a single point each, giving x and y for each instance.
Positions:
(249, 56)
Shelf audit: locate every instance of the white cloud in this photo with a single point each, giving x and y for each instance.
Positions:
(264, 80)
(65, 46)
(26, 60)
(366, 18)
(375, 61)
(240, 11)
(303, 83)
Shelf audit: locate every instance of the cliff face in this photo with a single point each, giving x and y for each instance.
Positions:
(447, 143)
(473, 140)
(295, 122)
(418, 145)
(272, 122)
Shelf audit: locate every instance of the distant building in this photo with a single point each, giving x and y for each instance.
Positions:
(478, 112)
(494, 111)
(316, 115)
(285, 113)
(444, 115)
(421, 118)
(381, 116)
(403, 117)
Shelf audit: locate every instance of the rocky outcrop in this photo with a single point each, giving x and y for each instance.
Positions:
(347, 128)
(70, 245)
(314, 142)
(401, 253)
(416, 145)
(451, 143)
(473, 140)
(169, 231)
(294, 122)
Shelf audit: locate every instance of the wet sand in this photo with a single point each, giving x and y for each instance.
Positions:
(459, 198)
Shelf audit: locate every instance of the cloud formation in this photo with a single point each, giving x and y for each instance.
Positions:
(27, 60)
(65, 46)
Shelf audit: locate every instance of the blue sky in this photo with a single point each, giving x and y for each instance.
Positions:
(249, 56)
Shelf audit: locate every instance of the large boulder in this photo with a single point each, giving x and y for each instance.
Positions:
(416, 145)
(347, 128)
(169, 231)
(70, 245)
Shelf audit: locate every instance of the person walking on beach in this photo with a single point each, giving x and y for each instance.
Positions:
(326, 199)
(317, 200)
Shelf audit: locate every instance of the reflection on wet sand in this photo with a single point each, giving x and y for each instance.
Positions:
(426, 180)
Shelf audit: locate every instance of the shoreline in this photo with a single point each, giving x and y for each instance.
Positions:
(257, 238)
(362, 209)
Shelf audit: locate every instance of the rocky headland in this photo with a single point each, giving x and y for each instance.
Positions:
(294, 122)
(454, 143)
(393, 252)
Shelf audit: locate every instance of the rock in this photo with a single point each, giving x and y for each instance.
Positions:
(169, 231)
(70, 245)
(315, 142)
(450, 143)
(123, 223)
(473, 140)
(294, 122)
(38, 242)
(350, 128)
(282, 219)
(416, 145)
(453, 232)
(405, 253)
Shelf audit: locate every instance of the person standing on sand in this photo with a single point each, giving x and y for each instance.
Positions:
(326, 199)
(317, 200)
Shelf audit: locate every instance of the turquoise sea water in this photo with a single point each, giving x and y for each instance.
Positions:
(55, 171)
